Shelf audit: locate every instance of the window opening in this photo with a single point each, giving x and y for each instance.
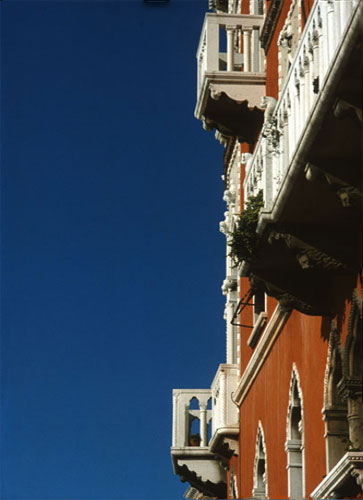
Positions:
(242, 304)
(258, 304)
(260, 473)
(294, 444)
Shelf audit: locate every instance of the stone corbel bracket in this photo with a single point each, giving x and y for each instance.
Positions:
(307, 255)
(349, 195)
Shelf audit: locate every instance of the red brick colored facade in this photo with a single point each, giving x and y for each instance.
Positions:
(298, 428)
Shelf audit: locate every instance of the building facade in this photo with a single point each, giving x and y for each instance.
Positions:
(279, 81)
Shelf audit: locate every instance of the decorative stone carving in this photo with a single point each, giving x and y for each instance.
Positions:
(358, 475)
(351, 384)
(343, 108)
(307, 255)
(349, 195)
(229, 285)
(230, 194)
(268, 104)
(335, 409)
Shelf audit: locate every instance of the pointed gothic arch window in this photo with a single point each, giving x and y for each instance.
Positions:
(294, 445)
(335, 407)
(351, 385)
(260, 466)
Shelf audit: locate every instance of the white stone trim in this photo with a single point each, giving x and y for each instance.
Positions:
(257, 329)
(260, 439)
(263, 349)
(349, 465)
(293, 445)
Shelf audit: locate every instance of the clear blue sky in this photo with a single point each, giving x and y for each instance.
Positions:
(110, 251)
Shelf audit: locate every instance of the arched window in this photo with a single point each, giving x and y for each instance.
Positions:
(294, 445)
(260, 468)
(194, 438)
(335, 408)
(351, 385)
(233, 490)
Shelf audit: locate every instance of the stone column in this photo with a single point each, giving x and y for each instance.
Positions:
(230, 47)
(247, 49)
(203, 425)
(355, 420)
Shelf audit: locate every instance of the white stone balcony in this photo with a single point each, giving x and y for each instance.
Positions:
(344, 480)
(308, 84)
(205, 421)
(230, 84)
(225, 421)
(307, 162)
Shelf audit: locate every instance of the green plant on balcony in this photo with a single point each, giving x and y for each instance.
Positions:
(243, 239)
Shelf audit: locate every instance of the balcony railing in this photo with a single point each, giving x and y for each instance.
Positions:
(323, 37)
(225, 413)
(225, 422)
(191, 455)
(222, 68)
(183, 416)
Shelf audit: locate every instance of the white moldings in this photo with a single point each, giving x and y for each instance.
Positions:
(257, 329)
(350, 465)
(212, 77)
(225, 414)
(182, 414)
(260, 354)
(328, 37)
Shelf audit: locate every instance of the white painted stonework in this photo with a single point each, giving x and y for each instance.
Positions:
(225, 413)
(221, 72)
(329, 29)
(349, 467)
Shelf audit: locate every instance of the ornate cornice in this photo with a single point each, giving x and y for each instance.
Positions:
(218, 490)
(269, 25)
(350, 466)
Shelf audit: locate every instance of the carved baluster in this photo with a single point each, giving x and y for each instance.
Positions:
(305, 79)
(316, 61)
(332, 35)
(323, 40)
(345, 11)
(203, 424)
(230, 47)
(285, 152)
(255, 51)
(247, 48)
(290, 125)
(296, 111)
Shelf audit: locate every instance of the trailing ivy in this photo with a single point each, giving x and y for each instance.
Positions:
(243, 239)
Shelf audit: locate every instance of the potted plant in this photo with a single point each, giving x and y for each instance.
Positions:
(243, 239)
(194, 440)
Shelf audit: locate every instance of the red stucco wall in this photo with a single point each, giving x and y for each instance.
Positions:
(299, 343)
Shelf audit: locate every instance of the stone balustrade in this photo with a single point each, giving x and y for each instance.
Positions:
(210, 56)
(183, 416)
(287, 120)
(225, 412)
(223, 69)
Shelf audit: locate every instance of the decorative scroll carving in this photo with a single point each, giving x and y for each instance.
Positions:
(349, 195)
(218, 490)
(307, 255)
